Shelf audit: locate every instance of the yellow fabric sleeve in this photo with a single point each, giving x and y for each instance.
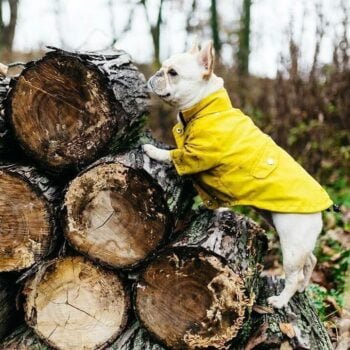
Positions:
(197, 155)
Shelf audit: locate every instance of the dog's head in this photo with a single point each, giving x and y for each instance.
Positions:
(184, 79)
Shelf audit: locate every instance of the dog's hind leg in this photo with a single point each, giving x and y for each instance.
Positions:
(308, 268)
(298, 234)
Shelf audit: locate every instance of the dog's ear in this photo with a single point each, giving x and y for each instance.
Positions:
(207, 57)
(194, 48)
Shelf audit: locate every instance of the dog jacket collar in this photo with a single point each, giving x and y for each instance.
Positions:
(217, 102)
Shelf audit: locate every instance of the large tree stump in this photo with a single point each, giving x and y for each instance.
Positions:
(27, 217)
(296, 326)
(72, 304)
(8, 312)
(116, 215)
(198, 293)
(65, 108)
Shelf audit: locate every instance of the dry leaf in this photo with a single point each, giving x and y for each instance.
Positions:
(330, 300)
(287, 329)
(261, 309)
(258, 337)
(286, 346)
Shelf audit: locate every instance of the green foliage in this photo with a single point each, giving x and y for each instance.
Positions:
(320, 296)
(340, 191)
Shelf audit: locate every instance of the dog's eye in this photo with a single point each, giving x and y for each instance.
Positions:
(172, 72)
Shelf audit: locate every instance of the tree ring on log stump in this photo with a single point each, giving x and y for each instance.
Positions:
(115, 214)
(26, 223)
(62, 111)
(73, 304)
(189, 298)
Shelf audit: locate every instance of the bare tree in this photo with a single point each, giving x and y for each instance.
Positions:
(117, 36)
(214, 23)
(244, 39)
(155, 29)
(58, 11)
(7, 30)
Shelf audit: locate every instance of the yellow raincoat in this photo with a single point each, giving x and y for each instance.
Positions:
(234, 163)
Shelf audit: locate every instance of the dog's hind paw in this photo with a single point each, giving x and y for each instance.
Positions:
(277, 301)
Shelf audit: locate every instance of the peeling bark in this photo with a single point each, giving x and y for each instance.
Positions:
(135, 337)
(217, 262)
(297, 324)
(23, 338)
(4, 88)
(67, 109)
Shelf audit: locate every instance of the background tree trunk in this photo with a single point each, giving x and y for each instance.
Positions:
(68, 108)
(7, 31)
(244, 39)
(214, 23)
(155, 30)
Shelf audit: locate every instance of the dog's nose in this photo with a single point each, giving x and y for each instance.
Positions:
(159, 74)
(149, 84)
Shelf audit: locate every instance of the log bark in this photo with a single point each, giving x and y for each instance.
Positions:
(135, 337)
(115, 215)
(4, 88)
(198, 292)
(297, 326)
(73, 304)
(8, 312)
(28, 227)
(67, 109)
(23, 338)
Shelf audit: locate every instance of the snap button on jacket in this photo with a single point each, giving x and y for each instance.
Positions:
(233, 162)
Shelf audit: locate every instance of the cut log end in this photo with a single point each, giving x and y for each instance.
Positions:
(62, 112)
(115, 214)
(190, 299)
(72, 304)
(25, 223)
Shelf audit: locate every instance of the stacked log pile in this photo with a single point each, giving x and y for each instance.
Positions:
(99, 246)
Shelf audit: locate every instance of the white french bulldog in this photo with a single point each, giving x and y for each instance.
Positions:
(183, 81)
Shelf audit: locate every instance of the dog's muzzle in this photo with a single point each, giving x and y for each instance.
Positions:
(151, 84)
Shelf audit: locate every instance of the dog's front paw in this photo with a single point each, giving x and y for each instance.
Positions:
(277, 301)
(150, 150)
(156, 153)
